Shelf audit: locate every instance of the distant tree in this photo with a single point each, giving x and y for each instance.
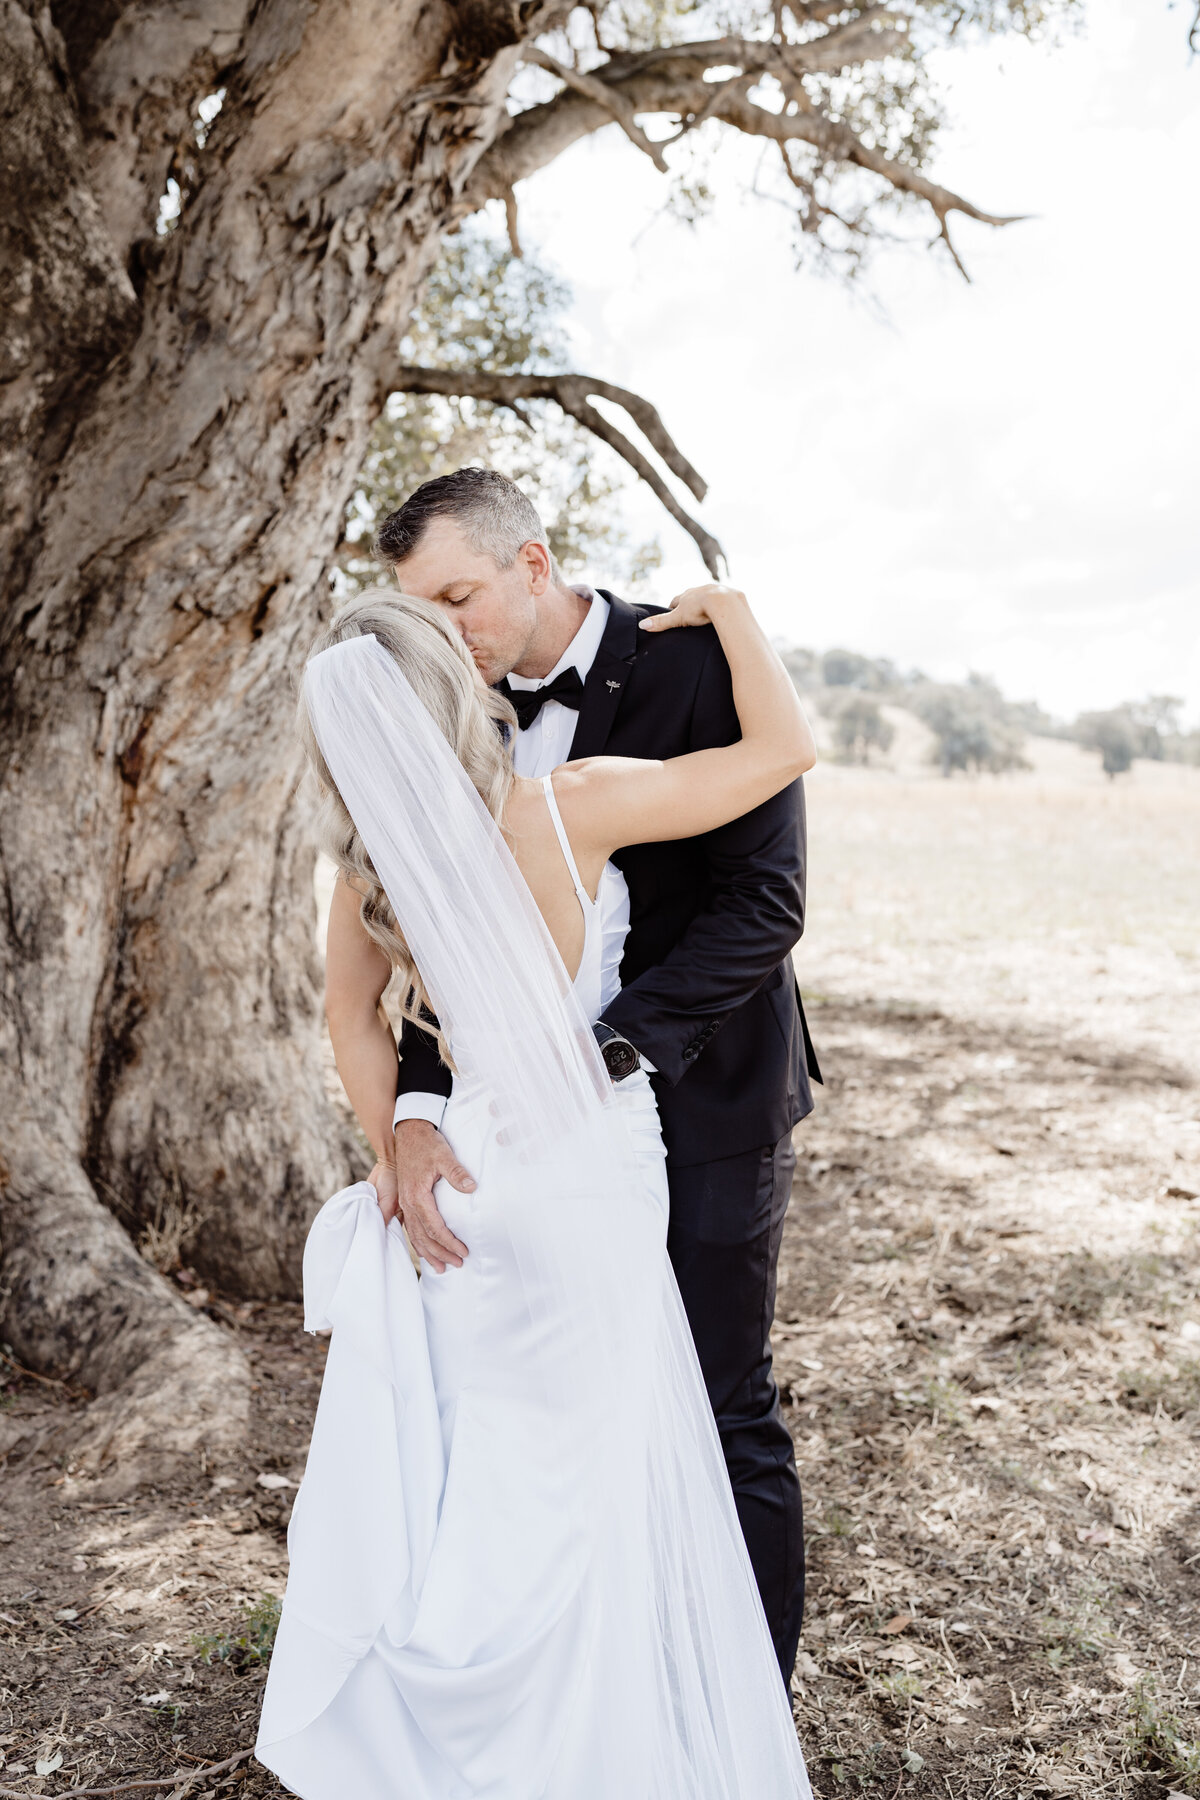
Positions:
(844, 668)
(484, 308)
(840, 668)
(1029, 717)
(984, 689)
(804, 667)
(972, 731)
(1113, 734)
(1025, 716)
(1149, 728)
(1154, 723)
(859, 727)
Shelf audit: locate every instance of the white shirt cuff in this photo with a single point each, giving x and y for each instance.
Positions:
(430, 1107)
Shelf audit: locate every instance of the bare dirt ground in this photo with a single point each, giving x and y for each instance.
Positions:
(988, 1336)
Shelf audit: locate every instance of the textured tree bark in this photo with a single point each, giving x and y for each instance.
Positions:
(183, 417)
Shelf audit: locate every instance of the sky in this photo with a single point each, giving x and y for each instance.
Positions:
(997, 476)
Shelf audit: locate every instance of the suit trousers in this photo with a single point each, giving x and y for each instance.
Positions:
(724, 1235)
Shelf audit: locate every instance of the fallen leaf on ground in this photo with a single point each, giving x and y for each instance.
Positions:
(903, 1653)
(1093, 1534)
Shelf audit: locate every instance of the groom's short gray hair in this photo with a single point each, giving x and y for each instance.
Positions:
(493, 512)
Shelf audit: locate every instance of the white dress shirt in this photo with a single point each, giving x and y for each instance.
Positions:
(539, 750)
(547, 742)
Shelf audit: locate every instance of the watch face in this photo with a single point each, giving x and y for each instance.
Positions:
(620, 1057)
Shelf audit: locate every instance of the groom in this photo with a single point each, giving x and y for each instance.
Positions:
(708, 1001)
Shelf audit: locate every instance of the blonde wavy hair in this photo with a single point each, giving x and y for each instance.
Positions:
(434, 660)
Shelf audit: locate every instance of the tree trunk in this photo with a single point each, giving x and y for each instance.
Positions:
(185, 418)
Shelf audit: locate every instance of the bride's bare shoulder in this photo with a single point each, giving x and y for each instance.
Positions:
(593, 792)
(594, 771)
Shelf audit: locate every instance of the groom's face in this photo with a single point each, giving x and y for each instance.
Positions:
(494, 610)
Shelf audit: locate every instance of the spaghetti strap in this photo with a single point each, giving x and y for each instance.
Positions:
(585, 899)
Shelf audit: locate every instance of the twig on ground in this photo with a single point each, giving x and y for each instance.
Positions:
(188, 1777)
(76, 1393)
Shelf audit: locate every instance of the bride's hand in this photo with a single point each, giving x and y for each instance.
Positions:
(383, 1179)
(695, 606)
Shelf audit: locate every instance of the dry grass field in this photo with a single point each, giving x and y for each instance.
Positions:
(988, 1336)
(989, 1318)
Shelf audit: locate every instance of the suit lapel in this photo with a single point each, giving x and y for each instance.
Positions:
(605, 684)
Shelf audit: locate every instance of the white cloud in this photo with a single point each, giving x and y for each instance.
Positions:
(997, 476)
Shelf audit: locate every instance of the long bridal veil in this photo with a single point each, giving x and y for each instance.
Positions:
(671, 1690)
(500, 990)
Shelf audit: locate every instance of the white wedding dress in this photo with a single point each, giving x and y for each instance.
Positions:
(516, 1568)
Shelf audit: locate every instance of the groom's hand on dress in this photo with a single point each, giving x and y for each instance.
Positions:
(423, 1158)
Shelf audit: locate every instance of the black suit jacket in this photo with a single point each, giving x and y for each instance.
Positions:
(708, 992)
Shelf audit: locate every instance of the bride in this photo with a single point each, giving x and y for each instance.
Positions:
(516, 1568)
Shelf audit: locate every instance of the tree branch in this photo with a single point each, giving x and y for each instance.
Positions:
(573, 394)
(853, 42)
(671, 79)
(604, 95)
(839, 143)
(738, 84)
(511, 222)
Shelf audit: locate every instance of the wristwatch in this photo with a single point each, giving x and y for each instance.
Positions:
(620, 1057)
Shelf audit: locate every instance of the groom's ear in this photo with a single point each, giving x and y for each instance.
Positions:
(536, 559)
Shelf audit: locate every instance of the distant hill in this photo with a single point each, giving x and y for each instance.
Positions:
(971, 726)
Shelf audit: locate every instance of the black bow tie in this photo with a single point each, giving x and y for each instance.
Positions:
(566, 688)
